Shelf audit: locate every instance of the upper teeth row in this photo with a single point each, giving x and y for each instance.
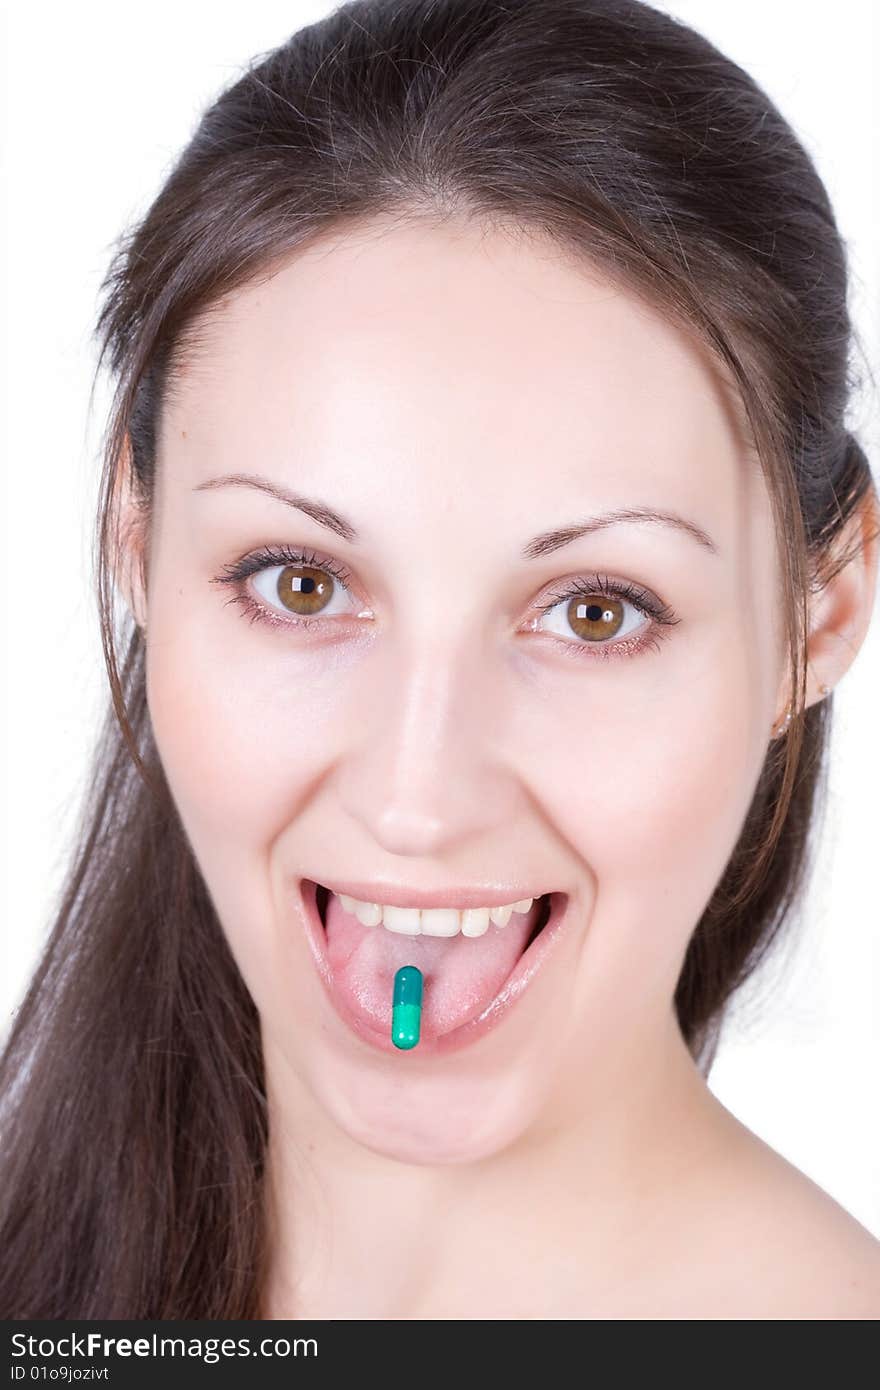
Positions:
(432, 921)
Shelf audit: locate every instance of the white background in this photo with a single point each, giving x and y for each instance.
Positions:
(101, 98)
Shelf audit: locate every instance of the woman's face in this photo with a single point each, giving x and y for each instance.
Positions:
(471, 712)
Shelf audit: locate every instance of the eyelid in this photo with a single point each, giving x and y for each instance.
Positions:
(272, 556)
(589, 584)
(268, 556)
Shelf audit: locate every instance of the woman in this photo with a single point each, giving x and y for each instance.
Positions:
(461, 341)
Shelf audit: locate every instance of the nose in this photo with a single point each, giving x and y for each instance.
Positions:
(425, 775)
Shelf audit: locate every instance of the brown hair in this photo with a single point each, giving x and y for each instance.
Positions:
(134, 1109)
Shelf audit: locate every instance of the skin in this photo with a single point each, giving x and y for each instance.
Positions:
(452, 392)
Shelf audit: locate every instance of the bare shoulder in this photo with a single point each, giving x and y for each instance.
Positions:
(795, 1252)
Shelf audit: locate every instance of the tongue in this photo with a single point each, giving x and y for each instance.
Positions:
(461, 975)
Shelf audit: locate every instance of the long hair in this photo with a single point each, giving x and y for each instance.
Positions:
(134, 1119)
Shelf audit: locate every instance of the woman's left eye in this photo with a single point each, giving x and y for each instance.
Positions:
(308, 587)
(593, 610)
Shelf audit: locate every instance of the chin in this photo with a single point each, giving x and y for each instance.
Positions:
(432, 1120)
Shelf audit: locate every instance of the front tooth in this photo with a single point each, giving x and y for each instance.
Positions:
(440, 921)
(370, 914)
(475, 921)
(500, 915)
(524, 905)
(404, 920)
(347, 902)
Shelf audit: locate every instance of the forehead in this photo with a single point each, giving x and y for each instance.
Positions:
(427, 362)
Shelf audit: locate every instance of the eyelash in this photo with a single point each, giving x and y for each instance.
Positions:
(267, 557)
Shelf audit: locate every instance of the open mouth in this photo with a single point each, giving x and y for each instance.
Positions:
(472, 966)
(539, 912)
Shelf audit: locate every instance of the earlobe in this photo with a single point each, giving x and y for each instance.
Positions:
(841, 611)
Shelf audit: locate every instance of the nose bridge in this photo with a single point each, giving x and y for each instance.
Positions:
(423, 774)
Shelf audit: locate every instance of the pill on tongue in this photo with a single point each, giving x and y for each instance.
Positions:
(406, 1007)
(462, 975)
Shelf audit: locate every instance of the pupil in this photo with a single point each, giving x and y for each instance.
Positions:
(306, 585)
(594, 612)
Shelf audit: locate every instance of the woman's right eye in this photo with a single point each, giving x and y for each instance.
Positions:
(304, 591)
(305, 586)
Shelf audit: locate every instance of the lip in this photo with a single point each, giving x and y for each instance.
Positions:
(535, 957)
(398, 895)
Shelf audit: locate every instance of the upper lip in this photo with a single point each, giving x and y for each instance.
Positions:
(399, 895)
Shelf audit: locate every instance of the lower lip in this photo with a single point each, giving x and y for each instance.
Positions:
(533, 959)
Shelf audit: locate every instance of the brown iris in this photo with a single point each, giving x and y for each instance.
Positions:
(595, 617)
(304, 590)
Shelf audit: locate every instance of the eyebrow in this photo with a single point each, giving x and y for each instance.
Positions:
(548, 541)
(542, 544)
(318, 511)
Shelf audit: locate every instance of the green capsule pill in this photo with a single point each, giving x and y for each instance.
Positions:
(406, 1007)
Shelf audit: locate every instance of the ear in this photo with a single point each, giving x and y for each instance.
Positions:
(130, 559)
(841, 612)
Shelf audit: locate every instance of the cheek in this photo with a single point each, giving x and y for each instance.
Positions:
(649, 782)
(241, 740)
(243, 743)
